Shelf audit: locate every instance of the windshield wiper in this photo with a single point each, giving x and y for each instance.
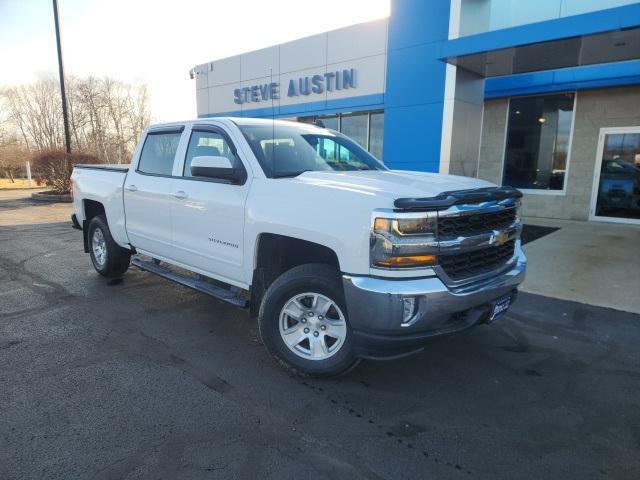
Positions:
(290, 174)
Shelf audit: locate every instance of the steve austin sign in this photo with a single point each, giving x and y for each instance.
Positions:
(315, 84)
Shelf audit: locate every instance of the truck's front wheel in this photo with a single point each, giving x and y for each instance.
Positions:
(108, 258)
(303, 322)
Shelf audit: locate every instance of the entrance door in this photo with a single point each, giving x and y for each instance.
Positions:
(616, 186)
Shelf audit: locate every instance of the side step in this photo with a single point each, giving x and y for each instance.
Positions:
(199, 285)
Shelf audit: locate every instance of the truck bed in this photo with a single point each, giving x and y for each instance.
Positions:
(102, 184)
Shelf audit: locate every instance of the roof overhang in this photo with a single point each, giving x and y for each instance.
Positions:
(600, 37)
(606, 47)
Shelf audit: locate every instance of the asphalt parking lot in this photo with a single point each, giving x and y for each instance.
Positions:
(146, 379)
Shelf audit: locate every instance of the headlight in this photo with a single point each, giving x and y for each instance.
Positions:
(405, 226)
(404, 242)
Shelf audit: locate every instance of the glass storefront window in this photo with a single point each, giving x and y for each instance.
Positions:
(366, 128)
(355, 127)
(331, 122)
(376, 129)
(538, 136)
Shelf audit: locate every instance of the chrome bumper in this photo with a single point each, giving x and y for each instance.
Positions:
(376, 307)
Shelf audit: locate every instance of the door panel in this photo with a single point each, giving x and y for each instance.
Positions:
(147, 204)
(147, 193)
(208, 227)
(208, 215)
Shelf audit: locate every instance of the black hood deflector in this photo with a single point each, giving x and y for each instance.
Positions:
(448, 199)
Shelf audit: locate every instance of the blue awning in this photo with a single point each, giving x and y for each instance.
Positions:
(606, 36)
(607, 47)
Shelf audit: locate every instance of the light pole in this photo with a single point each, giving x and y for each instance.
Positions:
(65, 114)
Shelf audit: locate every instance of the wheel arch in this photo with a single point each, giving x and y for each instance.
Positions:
(91, 209)
(275, 254)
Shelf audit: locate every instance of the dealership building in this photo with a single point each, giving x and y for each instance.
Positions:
(543, 96)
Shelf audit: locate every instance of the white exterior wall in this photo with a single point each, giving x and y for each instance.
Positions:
(362, 47)
(463, 108)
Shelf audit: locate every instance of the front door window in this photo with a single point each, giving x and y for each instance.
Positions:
(619, 183)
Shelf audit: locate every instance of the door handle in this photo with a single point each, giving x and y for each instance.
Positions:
(180, 194)
(131, 188)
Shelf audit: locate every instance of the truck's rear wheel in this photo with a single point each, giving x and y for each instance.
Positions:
(303, 322)
(108, 258)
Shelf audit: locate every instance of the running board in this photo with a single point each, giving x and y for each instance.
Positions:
(199, 285)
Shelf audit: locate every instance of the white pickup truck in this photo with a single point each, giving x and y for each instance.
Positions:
(340, 257)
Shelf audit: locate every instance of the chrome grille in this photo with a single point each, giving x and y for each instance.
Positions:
(463, 265)
(474, 224)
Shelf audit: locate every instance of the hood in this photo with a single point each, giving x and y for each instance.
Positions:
(391, 184)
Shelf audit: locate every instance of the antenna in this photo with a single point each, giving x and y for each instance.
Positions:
(273, 123)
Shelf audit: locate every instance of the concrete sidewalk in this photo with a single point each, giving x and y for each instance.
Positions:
(587, 262)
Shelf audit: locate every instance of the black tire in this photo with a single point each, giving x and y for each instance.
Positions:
(317, 278)
(116, 260)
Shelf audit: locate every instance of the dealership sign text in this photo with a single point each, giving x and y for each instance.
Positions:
(315, 84)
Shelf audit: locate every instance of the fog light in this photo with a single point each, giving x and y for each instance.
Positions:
(409, 309)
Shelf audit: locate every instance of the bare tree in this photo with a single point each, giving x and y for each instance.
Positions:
(34, 112)
(106, 116)
(13, 154)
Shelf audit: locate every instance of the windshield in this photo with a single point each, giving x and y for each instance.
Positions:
(289, 150)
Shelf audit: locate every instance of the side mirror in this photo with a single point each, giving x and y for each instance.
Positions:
(216, 167)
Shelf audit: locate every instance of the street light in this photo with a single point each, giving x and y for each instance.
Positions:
(65, 114)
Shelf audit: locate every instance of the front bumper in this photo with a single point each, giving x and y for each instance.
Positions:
(376, 308)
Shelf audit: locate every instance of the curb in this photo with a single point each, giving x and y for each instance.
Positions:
(48, 197)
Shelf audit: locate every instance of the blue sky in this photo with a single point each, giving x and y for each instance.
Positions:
(158, 41)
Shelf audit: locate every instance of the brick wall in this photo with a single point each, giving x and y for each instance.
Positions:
(595, 109)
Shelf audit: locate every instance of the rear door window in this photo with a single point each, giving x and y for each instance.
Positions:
(158, 153)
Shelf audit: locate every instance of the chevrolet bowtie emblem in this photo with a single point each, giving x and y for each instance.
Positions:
(501, 238)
